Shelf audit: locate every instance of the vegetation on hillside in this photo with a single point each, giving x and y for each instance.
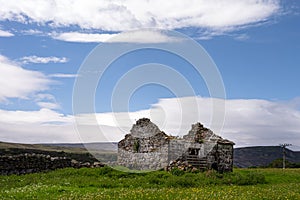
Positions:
(278, 163)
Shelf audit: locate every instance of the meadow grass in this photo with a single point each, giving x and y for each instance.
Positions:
(106, 183)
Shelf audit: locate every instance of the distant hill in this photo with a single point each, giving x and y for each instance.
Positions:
(100, 146)
(66, 147)
(103, 151)
(243, 157)
(262, 156)
(41, 147)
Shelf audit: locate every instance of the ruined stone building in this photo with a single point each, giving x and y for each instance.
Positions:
(146, 147)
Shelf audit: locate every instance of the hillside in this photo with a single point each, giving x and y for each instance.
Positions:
(103, 151)
(100, 146)
(42, 147)
(262, 155)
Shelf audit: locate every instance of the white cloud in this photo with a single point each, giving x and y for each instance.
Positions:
(124, 15)
(39, 126)
(46, 101)
(42, 116)
(32, 32)
(38, 133)
(82, 37)
(16, 82)
(242, 37)
(49, 105)
(143, 36)
(249, 122)
(6, 34)
(44, 126)
(63, 75)
(43, 60)
(42, 96)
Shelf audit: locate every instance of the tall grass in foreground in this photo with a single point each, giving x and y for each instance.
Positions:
(106, 183)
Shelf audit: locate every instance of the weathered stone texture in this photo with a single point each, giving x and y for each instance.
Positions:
(144, 128)
(31, 163)
(144, 161)
(148, 148)
(225, 157)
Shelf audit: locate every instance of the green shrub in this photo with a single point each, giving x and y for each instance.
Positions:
(136, 146)
(105, 170)
(181, 182)
(248, 178)
(177, 172)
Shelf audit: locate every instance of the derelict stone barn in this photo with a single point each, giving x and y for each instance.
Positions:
(146, 147)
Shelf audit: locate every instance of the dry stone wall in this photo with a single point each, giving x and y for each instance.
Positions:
(31, 163)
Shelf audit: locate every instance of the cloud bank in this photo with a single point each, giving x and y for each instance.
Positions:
(248, 122)
(141, 36)
(125, 15)
(17, 82)
(39, 126)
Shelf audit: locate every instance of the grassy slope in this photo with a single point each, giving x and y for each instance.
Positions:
(70, 148)
(74, 151)
(104, 183)
(6, 145)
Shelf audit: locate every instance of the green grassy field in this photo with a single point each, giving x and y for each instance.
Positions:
(105, 183)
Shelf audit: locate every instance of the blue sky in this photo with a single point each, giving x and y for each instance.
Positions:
(254, 44)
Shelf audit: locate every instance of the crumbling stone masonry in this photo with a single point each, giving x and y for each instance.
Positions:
(148, 148)
(31, 163)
